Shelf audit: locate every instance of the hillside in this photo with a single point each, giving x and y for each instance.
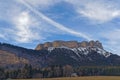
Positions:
(58, 53)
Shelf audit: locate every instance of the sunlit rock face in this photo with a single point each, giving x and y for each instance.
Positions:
(69, 44)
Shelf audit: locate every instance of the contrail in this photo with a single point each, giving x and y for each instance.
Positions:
(55, 24)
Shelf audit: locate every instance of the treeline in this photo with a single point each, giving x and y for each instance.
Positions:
(59, 71)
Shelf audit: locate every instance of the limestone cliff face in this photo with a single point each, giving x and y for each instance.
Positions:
(84, 44)
(47, 44)
(69, 44)
(39, 47)
(57, 43)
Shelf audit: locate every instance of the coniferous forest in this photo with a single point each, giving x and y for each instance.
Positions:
(59, 71)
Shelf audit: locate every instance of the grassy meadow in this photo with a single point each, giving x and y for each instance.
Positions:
(80, 78)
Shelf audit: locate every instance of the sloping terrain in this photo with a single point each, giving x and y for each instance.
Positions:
(73, 53)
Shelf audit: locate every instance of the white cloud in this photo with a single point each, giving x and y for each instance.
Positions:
(23, 30)
(55, 24)
(100, 11)
(112, 40)
(42, 3)
(23, 27)
(28, 28)
(8, 10)
(112, 36)
(2, 36)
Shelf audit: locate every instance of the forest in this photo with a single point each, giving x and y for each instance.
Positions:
(28, 72)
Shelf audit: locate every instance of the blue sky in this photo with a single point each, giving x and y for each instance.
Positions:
(29, 22)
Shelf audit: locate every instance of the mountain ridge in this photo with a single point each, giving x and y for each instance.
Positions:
(69, 44)
(62, 54)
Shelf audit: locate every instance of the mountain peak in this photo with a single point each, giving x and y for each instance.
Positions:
(69, 44)
(58, 53)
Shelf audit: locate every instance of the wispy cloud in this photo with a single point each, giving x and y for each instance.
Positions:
(2, 36)
(23, 29)
(112, 40)
(55, 24)
(99, 11)
(112, 36)
(42, 4)
(27, 28)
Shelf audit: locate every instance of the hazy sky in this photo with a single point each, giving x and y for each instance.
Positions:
(29, 22)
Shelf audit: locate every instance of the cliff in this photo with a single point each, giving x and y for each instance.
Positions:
(69, 44)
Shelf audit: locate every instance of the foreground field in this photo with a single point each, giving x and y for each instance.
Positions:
(80, 78)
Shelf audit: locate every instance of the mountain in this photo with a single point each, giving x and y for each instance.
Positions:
(59, 52)
(75, 53)
(69, 44)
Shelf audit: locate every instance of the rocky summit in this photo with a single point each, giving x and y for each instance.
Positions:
(69, 44)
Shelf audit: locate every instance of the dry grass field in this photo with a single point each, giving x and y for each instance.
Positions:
(80, 78)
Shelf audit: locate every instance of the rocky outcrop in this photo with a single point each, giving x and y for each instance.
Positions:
(84, 44)
(69, 44)
(39, 47)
